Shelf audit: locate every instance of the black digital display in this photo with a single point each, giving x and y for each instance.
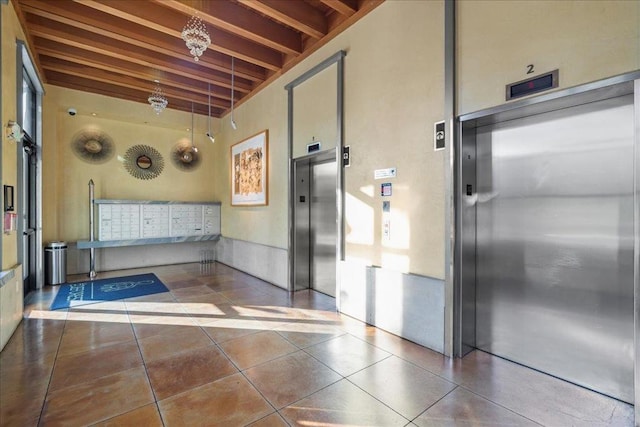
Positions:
(537, 84)
(312, 148)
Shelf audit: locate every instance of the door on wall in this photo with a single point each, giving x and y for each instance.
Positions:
(27, 158)
(28, 214)
(554, 247)
(315, 225)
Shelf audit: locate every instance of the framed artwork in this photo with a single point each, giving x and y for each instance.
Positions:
(250, 171)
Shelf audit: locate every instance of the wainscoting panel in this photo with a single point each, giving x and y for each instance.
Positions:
(265, 262)
(406, 305)
(11, 302)
(124, 257)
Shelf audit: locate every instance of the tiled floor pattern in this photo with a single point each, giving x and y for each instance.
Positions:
(224, 348)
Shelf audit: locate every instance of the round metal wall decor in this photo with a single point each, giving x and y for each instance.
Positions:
(185, 157)
(93, 146)
(143, 162)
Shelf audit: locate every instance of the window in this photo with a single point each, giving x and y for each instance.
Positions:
(29, 104)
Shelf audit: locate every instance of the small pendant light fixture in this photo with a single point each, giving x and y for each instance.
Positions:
(233, 122)
(157, 99)
(209, 133)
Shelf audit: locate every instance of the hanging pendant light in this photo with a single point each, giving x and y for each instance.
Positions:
(194, 149)
(196, 37)
(233, 122)
(209, 133)
(157, 99)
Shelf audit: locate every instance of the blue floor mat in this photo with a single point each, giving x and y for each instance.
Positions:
(111, 289)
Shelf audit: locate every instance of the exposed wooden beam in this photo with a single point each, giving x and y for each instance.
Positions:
(23, 23)
(366, 6)
(343, 7)
(86, 85)
(117, 49)
(172, 23)
(240, 21)
(147, 74)
(296, 14)
(125, 82)
(91, 20)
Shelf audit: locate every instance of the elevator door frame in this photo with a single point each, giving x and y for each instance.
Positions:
(464, 240)
(338, 59)
(301, 248)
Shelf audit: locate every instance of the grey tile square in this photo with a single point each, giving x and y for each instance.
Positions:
(347, 354)
(341, 404)
(461, 407)
(290, 378)
(404, 387)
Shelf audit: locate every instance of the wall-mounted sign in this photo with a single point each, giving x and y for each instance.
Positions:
(312, 148)
(384, 173)
(438, 136)
(385, 189)
(10, 222)
(533, 85)
(346, 156)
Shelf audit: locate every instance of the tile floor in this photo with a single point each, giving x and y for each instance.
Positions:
(224, 348)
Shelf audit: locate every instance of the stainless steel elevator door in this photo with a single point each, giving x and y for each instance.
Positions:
(301, 253)
(554, 251)
(323, 226)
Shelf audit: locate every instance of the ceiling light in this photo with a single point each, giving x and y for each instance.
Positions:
(157, 99)
(196, 37)
(233, 122)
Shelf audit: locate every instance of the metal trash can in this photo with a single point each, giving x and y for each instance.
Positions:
(55, 263)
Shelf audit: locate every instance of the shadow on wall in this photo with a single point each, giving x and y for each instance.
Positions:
(408, 305)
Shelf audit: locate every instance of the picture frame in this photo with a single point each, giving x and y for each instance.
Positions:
(250, 171)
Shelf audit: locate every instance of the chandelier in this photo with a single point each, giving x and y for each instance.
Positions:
(196, 37)
(157, 99)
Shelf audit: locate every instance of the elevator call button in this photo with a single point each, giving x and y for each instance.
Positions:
(438, 136)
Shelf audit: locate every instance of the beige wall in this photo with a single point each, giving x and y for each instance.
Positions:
(394, 93)
(314, 112)
(66, 177)
(585, 40)
(11, 31)
(266, 225)
(392, 98)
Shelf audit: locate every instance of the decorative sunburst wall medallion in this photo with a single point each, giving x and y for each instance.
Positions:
(92, 146)
(185, 157)
(143, 162)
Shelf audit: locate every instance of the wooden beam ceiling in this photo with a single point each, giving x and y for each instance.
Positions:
(118, 48)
